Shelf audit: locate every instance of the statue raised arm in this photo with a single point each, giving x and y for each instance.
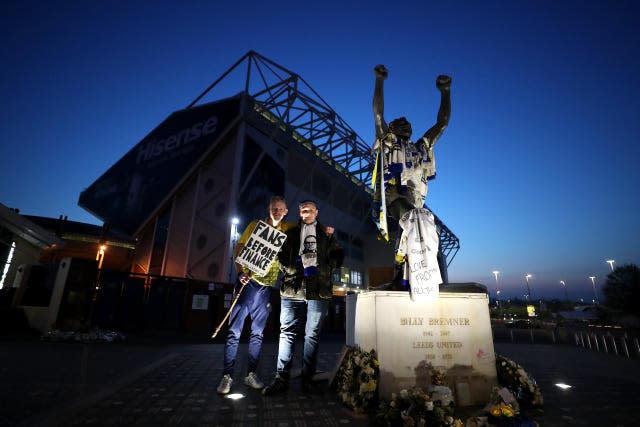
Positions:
(378, 101)
(443, 83)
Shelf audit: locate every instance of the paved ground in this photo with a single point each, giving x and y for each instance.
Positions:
(153, 382)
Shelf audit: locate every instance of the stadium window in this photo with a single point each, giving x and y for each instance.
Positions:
(356, 278)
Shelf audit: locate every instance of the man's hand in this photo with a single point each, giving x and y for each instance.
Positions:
(329, 230)
(443, 82)
(381, 72)
(244, 277)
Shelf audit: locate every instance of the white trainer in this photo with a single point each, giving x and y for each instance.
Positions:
(225, 384)
(253, 381)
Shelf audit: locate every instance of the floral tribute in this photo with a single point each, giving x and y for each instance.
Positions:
(357, 379)
(513, 377)
(414, 407)
(510, 405)
(518, 391)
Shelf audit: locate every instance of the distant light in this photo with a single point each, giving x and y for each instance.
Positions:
(235, 220)
(562, 386)
(235, 396)
(611, 261)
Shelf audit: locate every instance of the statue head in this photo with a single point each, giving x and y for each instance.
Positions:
(401, 128)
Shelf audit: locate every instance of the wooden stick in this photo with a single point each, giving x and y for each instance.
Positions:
(233, 303)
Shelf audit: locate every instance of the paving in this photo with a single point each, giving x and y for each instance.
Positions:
(159, 381)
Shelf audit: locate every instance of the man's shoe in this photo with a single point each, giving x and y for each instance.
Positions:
(225, 384)
(253, 381)
(279, 385)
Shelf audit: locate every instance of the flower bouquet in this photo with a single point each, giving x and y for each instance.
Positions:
(357, 379)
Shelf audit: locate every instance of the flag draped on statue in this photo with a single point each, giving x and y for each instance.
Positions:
(379, 203)
(419, 243)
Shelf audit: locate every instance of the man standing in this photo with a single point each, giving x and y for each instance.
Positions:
(307, 258)
(254, 301)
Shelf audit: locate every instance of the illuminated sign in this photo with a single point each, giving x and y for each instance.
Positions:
(127, 193)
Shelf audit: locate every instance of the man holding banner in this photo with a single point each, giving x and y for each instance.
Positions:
(259, 242)
(308, 256)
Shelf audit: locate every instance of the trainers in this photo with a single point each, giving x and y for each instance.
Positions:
(253, 381)
(279, 385)
(225, 384)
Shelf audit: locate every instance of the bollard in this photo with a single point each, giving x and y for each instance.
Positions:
(595, 341)
(588, 341)
(581, 339)
(635, 341)
(531, 333)
(613, 343)
(575, 336)
(511, 333)
(626, 349)
(604, 344)
(553, 336)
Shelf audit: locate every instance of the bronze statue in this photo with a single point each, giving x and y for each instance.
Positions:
(407, 166)
(403, 169)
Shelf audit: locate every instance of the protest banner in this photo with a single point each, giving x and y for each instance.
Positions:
(261, 249)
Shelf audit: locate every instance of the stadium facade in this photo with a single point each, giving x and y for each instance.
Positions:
(178, 191)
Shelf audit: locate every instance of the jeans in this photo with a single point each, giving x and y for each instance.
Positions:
(254, 301)
(292, 312)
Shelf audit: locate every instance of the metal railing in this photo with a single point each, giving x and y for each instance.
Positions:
(619, 343)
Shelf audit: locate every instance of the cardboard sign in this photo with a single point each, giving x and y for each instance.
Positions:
(261, 248)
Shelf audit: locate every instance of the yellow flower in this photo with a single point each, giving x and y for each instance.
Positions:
(507, 410)
(368, 386)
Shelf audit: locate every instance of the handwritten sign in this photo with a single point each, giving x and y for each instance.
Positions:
(419, 241)
(261, 249)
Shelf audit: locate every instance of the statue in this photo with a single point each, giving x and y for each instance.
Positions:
(403, 169)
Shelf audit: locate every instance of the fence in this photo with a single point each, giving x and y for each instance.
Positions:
(618, 342)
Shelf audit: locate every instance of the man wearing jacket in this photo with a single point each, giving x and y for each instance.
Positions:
(307, 258)
(253, 302)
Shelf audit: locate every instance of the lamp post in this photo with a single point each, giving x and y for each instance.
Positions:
(495, 273)
(610, 262)
(527, 277)
(234, 239)
(593, 284)
(564, 285)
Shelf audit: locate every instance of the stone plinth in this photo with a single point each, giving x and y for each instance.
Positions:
(452, 333)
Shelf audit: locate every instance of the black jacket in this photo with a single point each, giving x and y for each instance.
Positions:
(317, 286)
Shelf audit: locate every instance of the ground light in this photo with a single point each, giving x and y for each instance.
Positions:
(563, 386)
(235, 396)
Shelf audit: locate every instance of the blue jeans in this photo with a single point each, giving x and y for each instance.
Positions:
(254, 302)
(292, 312)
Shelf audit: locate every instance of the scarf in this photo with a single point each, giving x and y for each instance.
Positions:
(308, 248)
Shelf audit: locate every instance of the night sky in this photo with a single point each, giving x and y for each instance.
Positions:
(537, 172)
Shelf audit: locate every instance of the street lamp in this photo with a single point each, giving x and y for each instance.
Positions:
(495, 273)
(234, 239)
(593, 284)
(564, 285)
(611, 261)
(527, 277)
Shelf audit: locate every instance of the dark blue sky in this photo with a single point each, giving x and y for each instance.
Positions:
(537, 172)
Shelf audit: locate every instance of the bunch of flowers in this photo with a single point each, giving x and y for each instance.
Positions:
(513, 376)
(413, 407)
(502, 410)
(357, 379)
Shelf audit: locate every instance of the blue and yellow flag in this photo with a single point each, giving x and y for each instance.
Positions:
(379, 203)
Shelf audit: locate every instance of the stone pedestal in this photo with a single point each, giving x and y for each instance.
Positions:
(452, 333)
